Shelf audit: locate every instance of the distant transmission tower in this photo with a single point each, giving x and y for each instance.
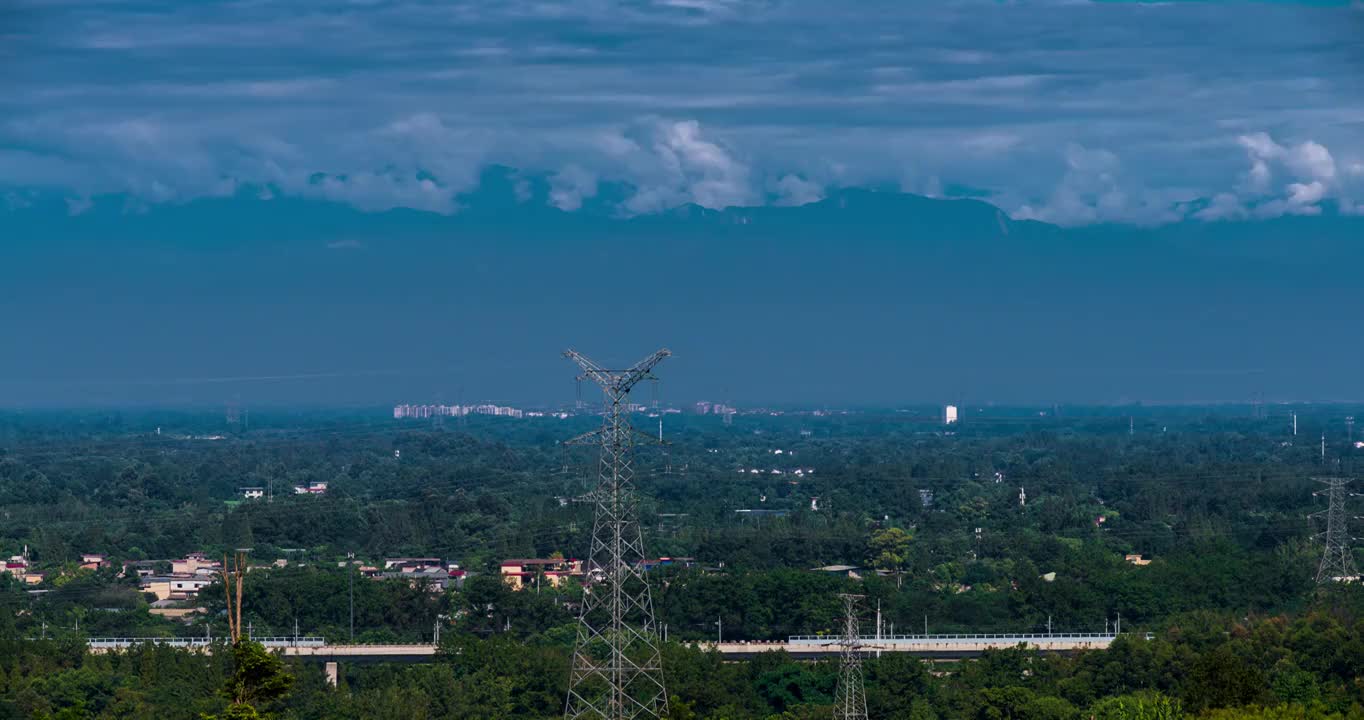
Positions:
(617, 670)
(1337, 559)
(850, 698)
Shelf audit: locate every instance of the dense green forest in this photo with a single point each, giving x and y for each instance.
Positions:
(1005, 522)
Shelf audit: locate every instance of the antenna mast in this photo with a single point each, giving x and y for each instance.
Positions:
(617, 671)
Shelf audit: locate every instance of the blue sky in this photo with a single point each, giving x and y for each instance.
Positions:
(1066, 111)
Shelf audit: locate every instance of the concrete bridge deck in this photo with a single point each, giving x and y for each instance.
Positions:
(307, 647)
(928, 646)
(806, 647)
(801, 646)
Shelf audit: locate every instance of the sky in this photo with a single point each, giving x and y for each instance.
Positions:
(1066, 111)
(370, 201)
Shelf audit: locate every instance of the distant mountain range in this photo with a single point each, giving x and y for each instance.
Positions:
(864, 295)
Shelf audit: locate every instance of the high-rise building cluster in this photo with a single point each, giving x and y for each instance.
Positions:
(709, 408)
(430, 411)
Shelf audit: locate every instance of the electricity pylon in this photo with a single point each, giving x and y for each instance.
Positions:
(1337, 559)
(850, 698)
(617, 670)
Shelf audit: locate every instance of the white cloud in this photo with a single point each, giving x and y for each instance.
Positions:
(1310, 166)
(570, 186)
(1311, 160)
(381, 191)
(418, 161)
(1089, 185)
(1307, 160)
(1260, 145)
(992, 143)
(674, 164)
(1259, 176)
(1224, 206)
(1300, 194)
(705, 6)
(917, 181)
(796, 190)
(1092, 190)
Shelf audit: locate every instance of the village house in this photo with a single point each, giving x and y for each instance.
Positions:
(436, 579)
(20, 568)
(17, 566)
(410, 564)
(141, 568)
(92, 561)
(172, 587)
(187, 577)
(518, 572)
(683, 562)
(195, 563)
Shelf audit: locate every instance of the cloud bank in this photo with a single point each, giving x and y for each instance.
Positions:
(1069, 112)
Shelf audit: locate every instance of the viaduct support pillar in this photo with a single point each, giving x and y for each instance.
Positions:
(332, 672)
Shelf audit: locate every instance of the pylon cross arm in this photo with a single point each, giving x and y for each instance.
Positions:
(591, 437)
(597, 437)
(640, 370)
(591, 370)
(617, 383)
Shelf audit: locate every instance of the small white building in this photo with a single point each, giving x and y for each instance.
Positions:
(949, 414)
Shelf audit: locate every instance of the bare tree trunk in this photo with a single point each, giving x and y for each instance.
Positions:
(227, 590)
(241, 577)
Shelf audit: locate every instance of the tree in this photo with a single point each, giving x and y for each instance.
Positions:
(1221, 678)
(258, 680)
(1017, 703)
(1148, 705)
(889, 549)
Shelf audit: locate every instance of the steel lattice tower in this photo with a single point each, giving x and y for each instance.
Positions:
(850, 698)
(1337, 559)
(617, 670)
